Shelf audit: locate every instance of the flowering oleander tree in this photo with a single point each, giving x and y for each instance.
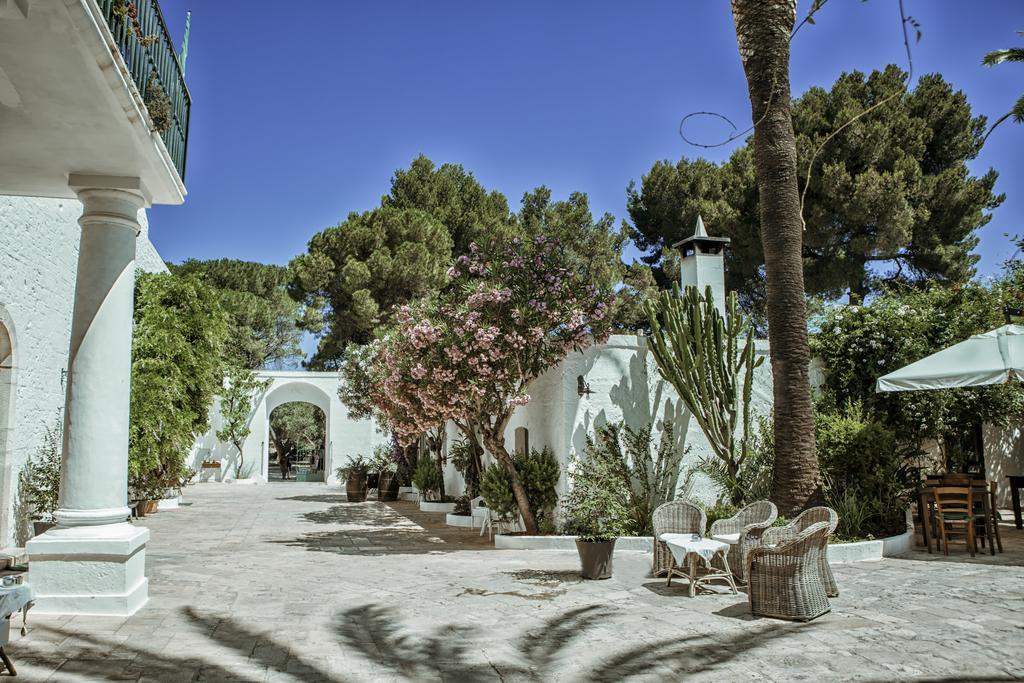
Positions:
(509, 312)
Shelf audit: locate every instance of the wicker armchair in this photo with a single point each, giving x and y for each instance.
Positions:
(674, 517)
(785, 581)
(747, 526)
(807, 518)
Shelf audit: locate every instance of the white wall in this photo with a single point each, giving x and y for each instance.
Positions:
(38, 262)
(346, 437)
(626, 387)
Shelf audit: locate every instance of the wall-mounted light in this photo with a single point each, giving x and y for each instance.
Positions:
(582, 388)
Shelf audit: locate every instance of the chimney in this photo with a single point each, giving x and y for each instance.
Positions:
(703, 263)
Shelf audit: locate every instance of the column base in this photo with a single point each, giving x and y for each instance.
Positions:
(89, 570)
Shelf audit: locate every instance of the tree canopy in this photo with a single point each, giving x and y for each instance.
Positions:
(362, 268)
(263, 319)
(359, 271)
(890, 199)
(180, 332)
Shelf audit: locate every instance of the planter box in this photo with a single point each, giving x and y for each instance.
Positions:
(169, 503)
(508, 542)
(427, 506)
(838, 553)
(410, 493)
(867, 551)
(467, 521)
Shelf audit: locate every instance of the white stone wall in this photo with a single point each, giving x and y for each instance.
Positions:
(38, 262)
(626, 387)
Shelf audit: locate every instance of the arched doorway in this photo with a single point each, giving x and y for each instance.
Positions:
(298, 442)
(298, 393)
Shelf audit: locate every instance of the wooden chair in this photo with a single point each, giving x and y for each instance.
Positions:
(674, 517)
(954, 507)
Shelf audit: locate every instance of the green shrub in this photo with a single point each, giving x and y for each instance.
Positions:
(39, 483)
(869, 476)
(720, 511)
(496, 489)
(538, 472)
(427, 477)
(753, 479)
(622, 468)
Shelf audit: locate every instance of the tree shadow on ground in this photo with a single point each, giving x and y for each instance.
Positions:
(376, 643)
(326, 498)
(376, 530)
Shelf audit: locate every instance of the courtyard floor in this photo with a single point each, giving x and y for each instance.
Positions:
(288, 582)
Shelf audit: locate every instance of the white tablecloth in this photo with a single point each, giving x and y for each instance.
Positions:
(13, 598)
(683, 544)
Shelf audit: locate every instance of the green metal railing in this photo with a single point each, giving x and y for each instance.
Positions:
(146, 47)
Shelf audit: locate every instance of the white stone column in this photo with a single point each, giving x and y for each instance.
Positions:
(93, 561)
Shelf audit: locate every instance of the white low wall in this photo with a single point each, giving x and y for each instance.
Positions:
(838, 553)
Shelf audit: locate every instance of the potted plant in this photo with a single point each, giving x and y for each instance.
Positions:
(39, 484)
(386, 468)
(427, 478)
(354, 473)
(588, 516)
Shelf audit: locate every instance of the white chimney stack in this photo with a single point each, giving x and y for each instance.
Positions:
(703, 263)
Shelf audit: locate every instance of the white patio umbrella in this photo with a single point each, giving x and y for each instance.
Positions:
(989, 358)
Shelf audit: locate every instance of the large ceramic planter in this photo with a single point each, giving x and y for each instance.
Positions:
(355, 488)
(387, 488)
(596, 558)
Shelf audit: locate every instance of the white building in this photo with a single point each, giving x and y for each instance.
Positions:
(613, 382)
(80, 160)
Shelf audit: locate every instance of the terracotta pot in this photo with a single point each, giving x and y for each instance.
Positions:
(596, 558)
(152, 506)
(355, 488)
(388, 486)
(140, 508)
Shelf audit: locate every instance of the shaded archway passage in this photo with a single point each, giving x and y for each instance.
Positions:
(298, 442)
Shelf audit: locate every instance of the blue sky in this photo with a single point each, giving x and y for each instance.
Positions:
(301, 115)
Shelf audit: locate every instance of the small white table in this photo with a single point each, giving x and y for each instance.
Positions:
(686, 549)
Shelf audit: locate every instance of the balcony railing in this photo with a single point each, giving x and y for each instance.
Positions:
(141, 35)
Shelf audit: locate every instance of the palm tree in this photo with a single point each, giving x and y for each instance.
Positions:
(763, 29)
(1010, 54)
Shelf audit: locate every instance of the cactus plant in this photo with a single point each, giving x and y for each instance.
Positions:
(698, 351)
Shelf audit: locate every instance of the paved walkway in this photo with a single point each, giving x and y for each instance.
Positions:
(288, 582)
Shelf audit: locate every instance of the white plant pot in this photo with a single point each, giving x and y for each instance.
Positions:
(467, 521)
(427, 506)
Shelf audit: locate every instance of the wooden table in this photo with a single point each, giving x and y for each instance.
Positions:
(1016, 484)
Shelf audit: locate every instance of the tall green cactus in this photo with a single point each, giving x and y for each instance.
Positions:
(698, 352)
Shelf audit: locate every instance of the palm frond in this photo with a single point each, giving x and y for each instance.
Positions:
(1010, 54)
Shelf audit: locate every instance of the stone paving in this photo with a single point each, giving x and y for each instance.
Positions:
(288, 582)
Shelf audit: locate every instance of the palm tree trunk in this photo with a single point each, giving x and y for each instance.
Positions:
(763, 28)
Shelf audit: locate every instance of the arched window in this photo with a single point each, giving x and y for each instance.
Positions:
(522, 440)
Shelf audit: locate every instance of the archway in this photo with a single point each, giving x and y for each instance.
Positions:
(297, 442)
(302, 393)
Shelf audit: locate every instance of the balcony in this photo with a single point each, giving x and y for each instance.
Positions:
(90, 87)
(141, 35)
